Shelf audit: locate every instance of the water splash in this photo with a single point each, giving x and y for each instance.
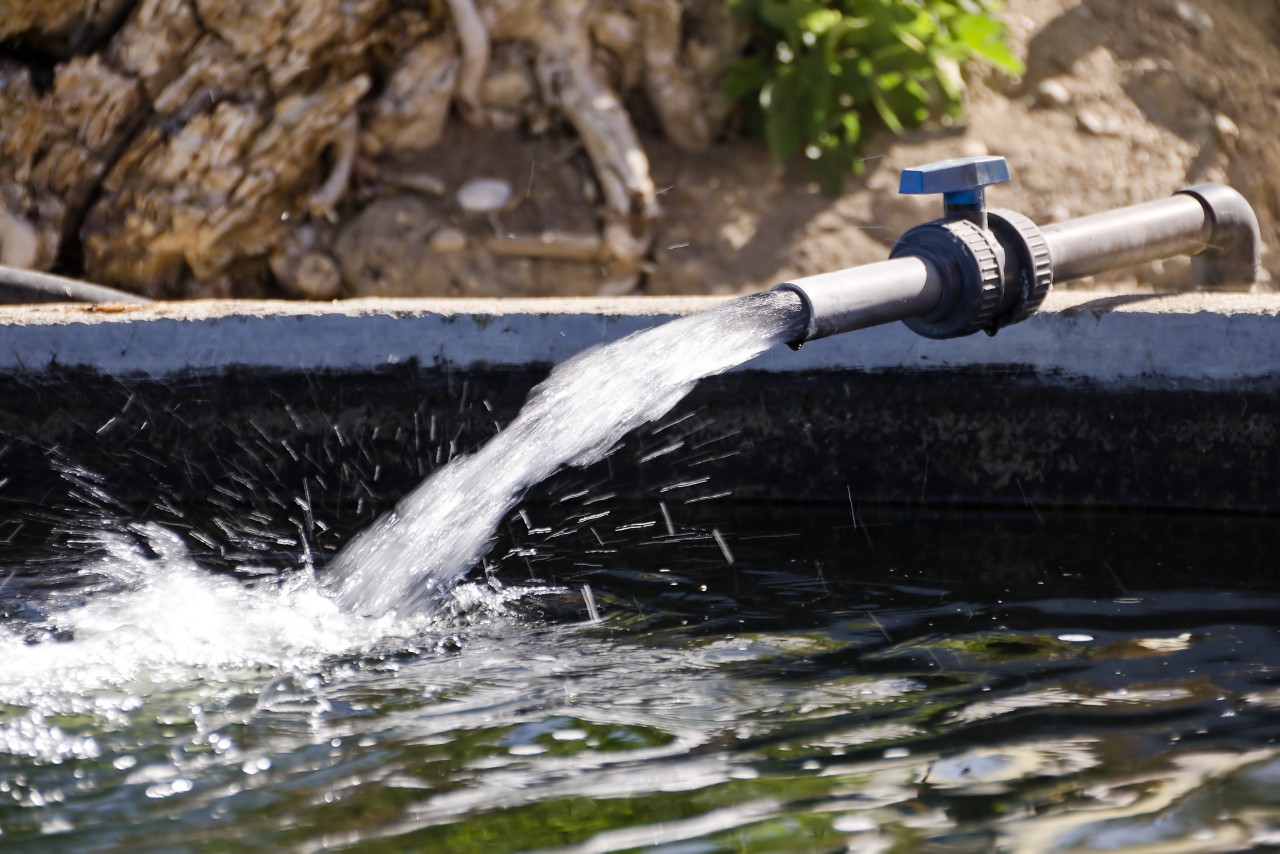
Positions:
(145, 613)
(588, 404)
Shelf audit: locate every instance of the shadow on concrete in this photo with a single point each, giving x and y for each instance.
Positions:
(1102, 305)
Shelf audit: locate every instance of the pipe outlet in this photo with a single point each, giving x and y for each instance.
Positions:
(869, 295)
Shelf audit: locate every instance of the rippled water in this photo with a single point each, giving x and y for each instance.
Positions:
(909, 681)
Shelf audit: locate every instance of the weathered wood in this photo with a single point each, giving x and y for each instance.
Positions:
(691, 112)
(474, 41)
(410, 114)
(203, 147)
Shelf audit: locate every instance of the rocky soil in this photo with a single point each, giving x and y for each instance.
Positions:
(1122, 102)
(326, 148)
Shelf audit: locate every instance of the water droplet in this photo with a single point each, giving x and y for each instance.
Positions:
(526, 749)
(853, 823)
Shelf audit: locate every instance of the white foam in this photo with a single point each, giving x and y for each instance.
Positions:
(152, 616)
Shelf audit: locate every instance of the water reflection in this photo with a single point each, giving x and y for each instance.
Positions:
(913, 693)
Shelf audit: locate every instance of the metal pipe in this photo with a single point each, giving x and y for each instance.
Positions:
(870, 295)
(1208, 220)
(19, 286)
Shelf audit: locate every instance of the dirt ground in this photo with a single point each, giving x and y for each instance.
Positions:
(197, 148)
(1122, 102)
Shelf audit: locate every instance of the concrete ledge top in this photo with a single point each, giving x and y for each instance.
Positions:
(1092, 335)
(638, 306)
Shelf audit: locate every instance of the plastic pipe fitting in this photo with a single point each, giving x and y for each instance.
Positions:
(18, 286)
(984, 269)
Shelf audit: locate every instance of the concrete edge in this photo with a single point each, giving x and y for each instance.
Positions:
(1103, 337)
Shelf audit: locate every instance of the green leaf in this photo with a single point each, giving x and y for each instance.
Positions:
(782, 128)
(820, 20)
(917, 90)
(898, 57)
(984, 36)
(744, 77)
(816, 69)
(887, 115)
(851, 125)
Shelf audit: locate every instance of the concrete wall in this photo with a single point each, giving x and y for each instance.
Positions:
(1125, 401)
(1198, 338)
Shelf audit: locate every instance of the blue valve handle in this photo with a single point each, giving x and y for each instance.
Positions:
(960, 181)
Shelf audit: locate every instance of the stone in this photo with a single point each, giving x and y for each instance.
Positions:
(1197, 19)
(447, 240)
(503, 121)
(617, 32)
(484, 195)
(384, 250)
(310, 275)
(1227, 130)
(1204, 85)
(1099, 123)
(508, 88)
(1053, 93)
(19, 242)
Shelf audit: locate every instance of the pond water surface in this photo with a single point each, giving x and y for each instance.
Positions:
(757, 678)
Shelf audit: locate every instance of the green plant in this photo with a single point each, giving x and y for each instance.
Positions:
(818, 69)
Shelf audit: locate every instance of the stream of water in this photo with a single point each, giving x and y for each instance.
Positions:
(574, 418)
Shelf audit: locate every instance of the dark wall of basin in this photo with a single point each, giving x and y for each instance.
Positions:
(1012, 438)
(327, 452)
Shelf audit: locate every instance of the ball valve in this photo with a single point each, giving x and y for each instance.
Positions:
(980, 268)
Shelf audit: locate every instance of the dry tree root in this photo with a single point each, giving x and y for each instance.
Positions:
(555, 245)
(324, 201)
(410, 115)
(418, 182)
(184, 153)
(571, 79)
(671, 91)
(619, 161)
(692, 114)
(19, 243)
(473, 38)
